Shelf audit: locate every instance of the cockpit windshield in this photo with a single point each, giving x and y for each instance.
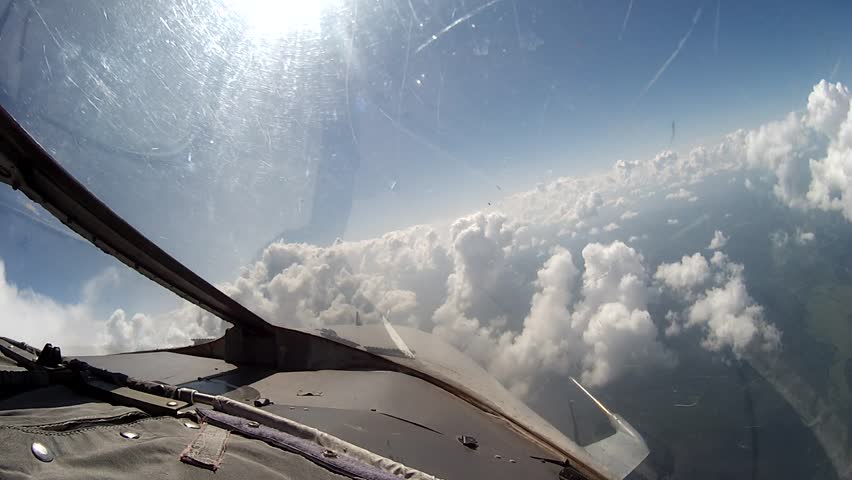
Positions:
(650, 197)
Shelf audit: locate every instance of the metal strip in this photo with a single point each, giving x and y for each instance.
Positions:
(337, 460)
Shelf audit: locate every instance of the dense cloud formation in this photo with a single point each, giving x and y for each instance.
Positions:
(685, 275)
(38, 319)
(495, 291)
(810, 154)
(726, 314)
(509, 288)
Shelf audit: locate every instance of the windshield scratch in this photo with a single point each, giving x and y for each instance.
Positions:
(626, 19)
(46, 26)
(674, 54)
(454, 24)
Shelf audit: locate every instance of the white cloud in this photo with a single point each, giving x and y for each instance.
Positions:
(611, 227)
(123, 333)
(730, 319)
(618, 328)
(809, 154)
(680, 194)
(686, 274)
(78, 327)
(38, 319)
(718, 241)
(504, 282)
(828, 107)
(804, 238)
(780, 238)
(784, 148)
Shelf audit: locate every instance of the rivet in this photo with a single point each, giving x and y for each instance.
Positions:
(498, 457)
(41, 452)
(512, 460)
(189, 424)
(329, 453)
(253, 424)
(130, 435)
(292, 408)
(305, 409)
(171, 403)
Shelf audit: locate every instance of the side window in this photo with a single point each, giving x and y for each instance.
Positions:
(57, 287)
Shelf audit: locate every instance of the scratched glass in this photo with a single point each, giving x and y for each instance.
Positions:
(610, 191)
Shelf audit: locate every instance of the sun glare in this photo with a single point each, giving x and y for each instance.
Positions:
(275, 18)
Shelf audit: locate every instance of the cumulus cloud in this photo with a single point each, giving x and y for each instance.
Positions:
(680, 194)
(810, 153)
(611, 227)
(124, 333)
(804, 238)
(79, 327)
(504, 286)
(718, 241)
(38, 319)
(599, 334)
(728, 317)
(731, 319)
(687, 274)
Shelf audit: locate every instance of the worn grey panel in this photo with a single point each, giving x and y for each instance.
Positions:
(167, 367)
(439, 454)
(346, 399)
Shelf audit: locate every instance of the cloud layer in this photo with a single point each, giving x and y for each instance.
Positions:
(524, 291)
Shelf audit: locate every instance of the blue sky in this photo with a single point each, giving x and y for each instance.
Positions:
(573, 104)
(530, 91)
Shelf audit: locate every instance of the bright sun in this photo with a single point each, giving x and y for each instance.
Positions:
(274, 18)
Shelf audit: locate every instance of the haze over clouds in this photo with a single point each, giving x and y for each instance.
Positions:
(512, 288)
(718, 241)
